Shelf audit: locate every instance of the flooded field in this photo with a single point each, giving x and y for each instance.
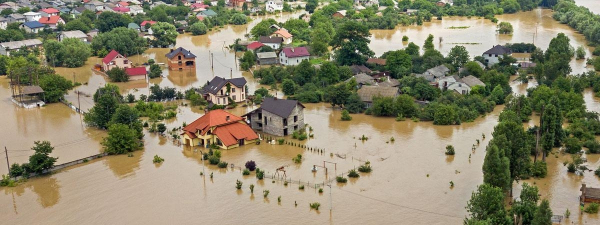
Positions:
(409, 184)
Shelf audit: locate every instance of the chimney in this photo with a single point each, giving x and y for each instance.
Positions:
(227, 118)
(292, 49)
(171, 50)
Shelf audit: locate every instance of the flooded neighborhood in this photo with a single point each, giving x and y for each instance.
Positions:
(304, 149)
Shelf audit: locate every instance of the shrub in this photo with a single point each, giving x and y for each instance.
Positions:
(252, 188)
(592, 208)
(539, 169)
(572, 145)
(301, 187)
(280, 141)
(238, 184)
(346, 115)
(315, 205)
(222, 164)
(213, 160)
(571, 168)
(352, 173)
(365, 168)
(302, 136)
(449, 150)
(7, 181)
(260, 174)
(341, 179)
(297, 159)
(157, 159)
(246, 172)
(320, 190)
(266, 193)
(16, 170)
(251, 165)
(404, 38)
(593, 146)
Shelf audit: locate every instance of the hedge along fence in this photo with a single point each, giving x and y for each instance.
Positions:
(296, 144)
(65, 165)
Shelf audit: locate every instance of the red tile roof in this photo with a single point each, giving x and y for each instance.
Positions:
(255, 45)
(201, 18)
(110, 56)
(50, 10)
(147, 21)
(295, 52)
(121, 9)
(227, 130)
(199, 6)
(50, 20)
(231, 133)
(136, 71)
(124, 3)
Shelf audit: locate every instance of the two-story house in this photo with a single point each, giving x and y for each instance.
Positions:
(32, 16)
(218, 127)
(293, 56)
(51, 21)
(273, 42)
(180, 59)
(221, 91)
(283, 33)
(115, 59)
(32, 27)
(277, 116)
(494, 54)
(274, 5)
(49, 12)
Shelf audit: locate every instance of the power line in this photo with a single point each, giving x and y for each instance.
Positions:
(401, 206)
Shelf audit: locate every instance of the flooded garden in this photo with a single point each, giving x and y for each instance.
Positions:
(412, 182)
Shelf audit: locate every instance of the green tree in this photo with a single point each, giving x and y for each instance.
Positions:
(458, 56)
(497, 95)
(77, 24)
(155, 71)
(487, 204)
(496, 168)
(239, 19)
(165, 34)
(543, 214)
(446, 115)
(41, 160)
(329, 73)
(23, 10)
(551, 127)
(510, 6)
(351, 43)
(263, 28)
(405, 105)
(525, 208)
(123, 40)
(198, 28)
(505, 28)
(117, 74)
(474, 69)
(311, 5)
(288, 87)
(338, 95)
(121, 139)
(78, 52)
(346, 115)
(108, 21)
(55, 87)
(106, 101)
(129, 116)
(428, 43)
(412, 49)
(383, 106)
(354, 104)
(399, 63)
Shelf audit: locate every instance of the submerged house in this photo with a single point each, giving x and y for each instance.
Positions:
(589, 194)
(180, 59)
(277, 116)
(115, 59)
(459, 85)
(216, 91)
(494, 54)
(220, 128)
(367, 93)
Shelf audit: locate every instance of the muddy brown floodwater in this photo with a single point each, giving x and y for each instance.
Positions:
(410, 183)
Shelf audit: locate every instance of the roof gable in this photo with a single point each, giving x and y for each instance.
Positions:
(186, 54)
(110, 56)
(270, 40)
(498, 50)
(280, 107)
(213, 118)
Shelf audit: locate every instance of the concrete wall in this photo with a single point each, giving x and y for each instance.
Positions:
(267, 61)
(492, 59)
(274, 123)
(180, 64)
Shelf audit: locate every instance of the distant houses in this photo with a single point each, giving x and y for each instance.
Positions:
(221, 128)
(180, 59)
(494, 54)
(221, 91)
(7, 47)
(459, 85)
(293, 56)
(51, 21)
(32, 27)
(278, 117)
(274, 5)
(367, 93)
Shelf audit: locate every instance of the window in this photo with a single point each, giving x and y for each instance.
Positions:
(284, 122)
(266, 121)
(243, 97)
(125, 61)
(295, 119)
(495, 55)
(233, 97)
(218, 101)
(490, 55)
(296, 127)
(179, 57)
(232, 89)
(260, 116)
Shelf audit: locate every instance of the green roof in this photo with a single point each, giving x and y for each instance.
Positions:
(133, 26)
(208, 13)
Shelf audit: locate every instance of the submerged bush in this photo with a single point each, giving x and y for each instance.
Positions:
(592, 208)
(352, 173)
(238, 185)
(246, 172)
(222, 164)
(298, 158)
(539, 169)
(341, 179)
(315, 205)
(157, 159)
(213, 160)
(251, 165)
(450, 150)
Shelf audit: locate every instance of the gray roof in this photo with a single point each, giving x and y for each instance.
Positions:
(17, 16)
(438, 71)
(186, 54)
(266, 39)
(280, 107)
(266, 55)
(472, 81)
(218, 82)
(427, 77)
(356, 69)
(19, 44)
(498, 50)
(391, 82)
(362, 78)
(366, 93)
(74, 34)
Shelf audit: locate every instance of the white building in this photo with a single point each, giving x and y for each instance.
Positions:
(274, 5)
(495, 53)
(293, 56)
(32, 16)
(72, 34)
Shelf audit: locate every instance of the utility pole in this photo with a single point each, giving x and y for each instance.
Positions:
(212, 61)
(7, 163)
(330, 201)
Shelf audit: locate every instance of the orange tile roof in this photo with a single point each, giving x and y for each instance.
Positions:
(231, 133)
(283, 32)
(213, 118)
(50, 20)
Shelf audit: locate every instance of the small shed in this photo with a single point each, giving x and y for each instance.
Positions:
(267, 58)
(367, 93)
(589, 194)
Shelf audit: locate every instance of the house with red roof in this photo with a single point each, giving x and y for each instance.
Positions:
(136, 73)
(115, 59)
(254, 46)
(293, 56)
(51, 21)
(47, 12)
(221, 128)
(283, 33)
(121, 10)
(122, 4)
(143, 24)
(198, 5)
